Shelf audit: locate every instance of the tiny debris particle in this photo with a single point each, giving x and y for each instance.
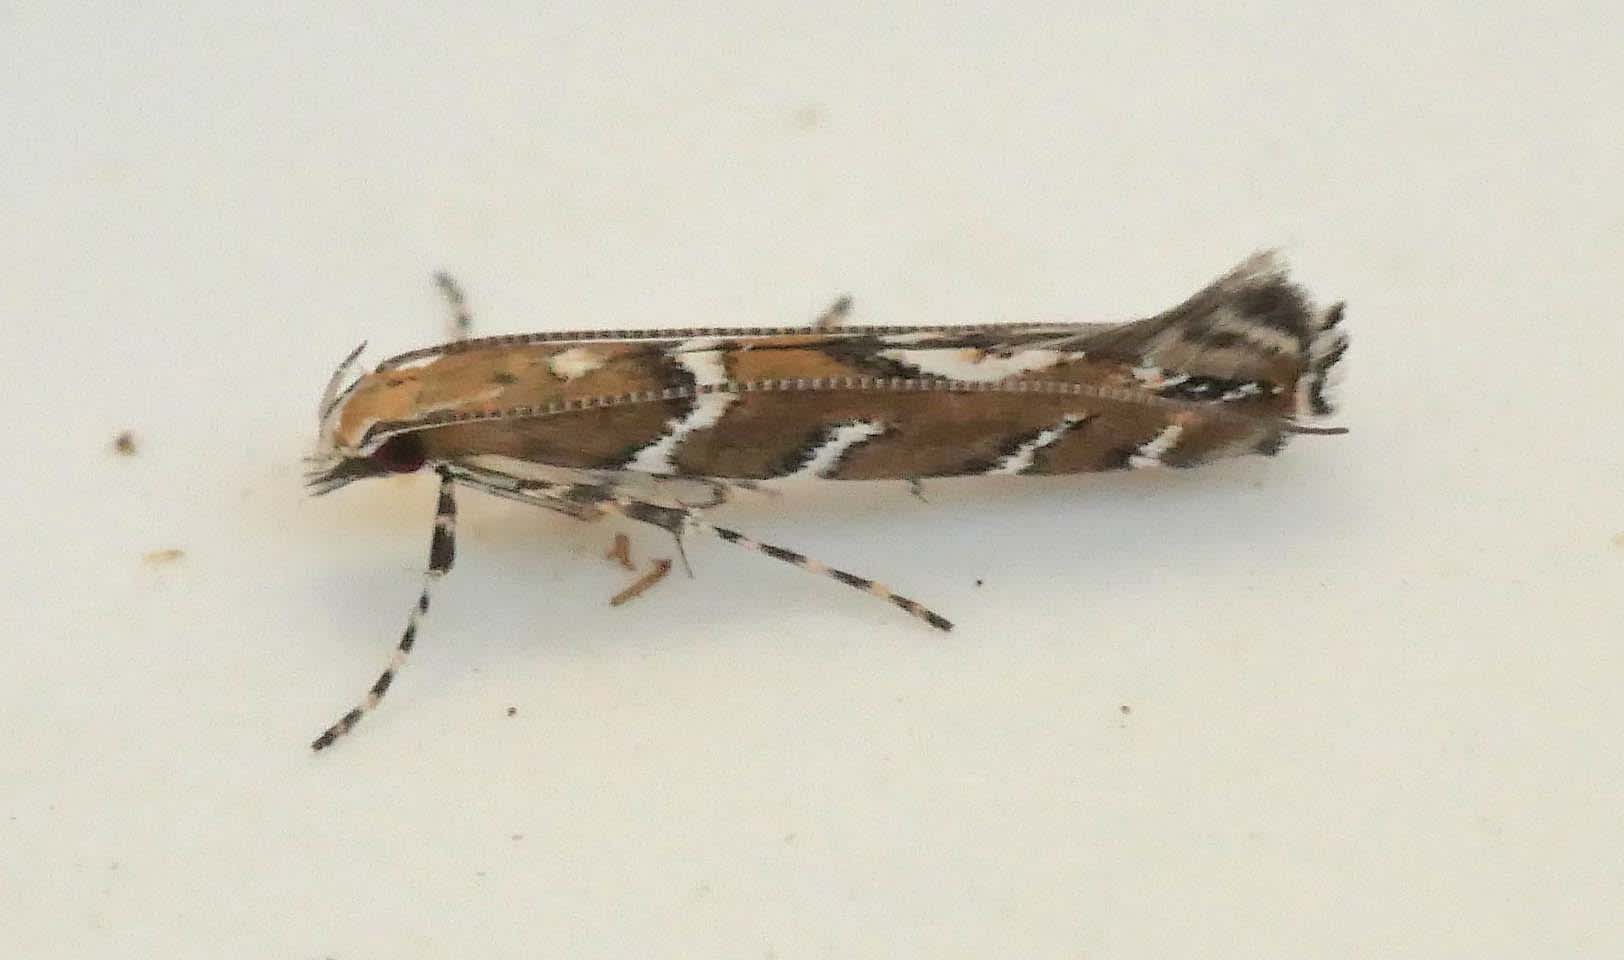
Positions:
(980, 582)
(512, 710)
(1125, 709)
(621, 551)
(809, 116)
(158, 558)
(124, 444)
(655, 575)
(518, 836)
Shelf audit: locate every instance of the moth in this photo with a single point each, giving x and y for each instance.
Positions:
(659, 425)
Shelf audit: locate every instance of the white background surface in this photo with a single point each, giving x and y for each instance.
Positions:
(1374, 684)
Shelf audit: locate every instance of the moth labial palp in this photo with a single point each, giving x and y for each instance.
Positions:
(590, 423)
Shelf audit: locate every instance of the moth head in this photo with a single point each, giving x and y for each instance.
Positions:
(337, 462)
(401, 453)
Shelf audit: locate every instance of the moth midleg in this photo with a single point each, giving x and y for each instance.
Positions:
(442, 554)
(680, 520)
(720, 490)
(549, 496)
(462, 322)
(585, 501)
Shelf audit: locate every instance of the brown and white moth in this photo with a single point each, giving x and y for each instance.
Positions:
(634, 422)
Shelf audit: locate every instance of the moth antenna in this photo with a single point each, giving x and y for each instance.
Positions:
(1287, 426)
(442, 554)
(836, 315)
(462, 322)
(675, 519)
(329, 396)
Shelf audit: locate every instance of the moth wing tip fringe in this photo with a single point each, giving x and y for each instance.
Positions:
(1259, 295)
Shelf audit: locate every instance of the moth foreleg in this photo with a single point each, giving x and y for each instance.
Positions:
(680, 520)
(442, 554)
(462, 322)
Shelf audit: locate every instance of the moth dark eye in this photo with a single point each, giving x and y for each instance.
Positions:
(402, 454)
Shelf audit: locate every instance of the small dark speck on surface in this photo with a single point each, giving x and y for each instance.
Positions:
(159, 558)
(518, 836)
(512, 710)
(980, 582)
(1125, 709)
(809, 116)
(124, 444)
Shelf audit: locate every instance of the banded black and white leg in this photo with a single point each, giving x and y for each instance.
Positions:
(442, 554)
(590, 501)
(679, 521)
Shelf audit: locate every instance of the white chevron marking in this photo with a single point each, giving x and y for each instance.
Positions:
(1021, 460)
(828, 455)
(708, 370)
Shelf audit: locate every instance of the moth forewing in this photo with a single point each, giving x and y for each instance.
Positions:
(587, 423)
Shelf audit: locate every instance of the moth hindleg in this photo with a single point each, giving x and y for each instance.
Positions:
(587, 501)
(680, 520)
